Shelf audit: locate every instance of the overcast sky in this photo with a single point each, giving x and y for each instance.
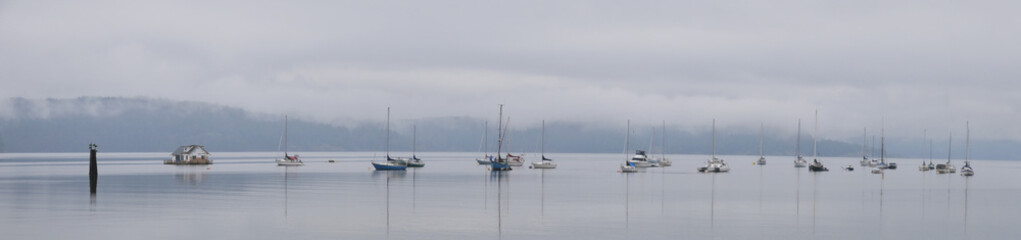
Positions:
(921, 65)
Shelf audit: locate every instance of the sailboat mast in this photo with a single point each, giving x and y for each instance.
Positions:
(948, 146)
(714, 139)
(285, 136)
(485, 136)
(873, 155)
(663, 141)
(762, 131)
(414, 140)
(542, 141)
(627, 140)
(798, 148)
(864, 138)
(882, 144)
(815, 151)
(388, 133)
(499, 134)
(967, 141)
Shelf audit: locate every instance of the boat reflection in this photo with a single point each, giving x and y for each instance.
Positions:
(388, 175)
(190, 175)
(501, 178)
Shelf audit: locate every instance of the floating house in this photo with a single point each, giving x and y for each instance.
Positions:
(188, 155)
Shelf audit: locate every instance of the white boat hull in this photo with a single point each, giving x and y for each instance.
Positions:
(544, 165)
(289, 163)
(641, 164)
(628, 169)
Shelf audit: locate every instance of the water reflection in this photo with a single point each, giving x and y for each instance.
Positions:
(627, 202)
(542, 193)
(92, 202)
(501, 178)
(712, 205)
(815, 196)
(190, 175)
(388, 175)
(797, 196)
(414, 173)
(967, 182)
(760, 187)
(288, 173)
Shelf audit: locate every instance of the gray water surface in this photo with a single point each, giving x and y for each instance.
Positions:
(246, 196)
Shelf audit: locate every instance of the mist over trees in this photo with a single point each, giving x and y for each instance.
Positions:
(155, 125)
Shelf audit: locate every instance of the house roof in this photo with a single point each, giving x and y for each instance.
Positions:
(189, 149)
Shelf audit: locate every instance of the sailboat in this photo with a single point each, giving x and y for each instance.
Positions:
(288, 159)
(414, 161)
(931, 166)
(546, 163)
(923, 167)
(627, 167)
(882, 153)
(512, 160)
(816, 164)
(864, 157)
(500, 164)
(762, 159)
(874, 162)
(947, 167)
(484, 146)
(391, 163)
(714, 164)
(663, 161)
(800, 161)
(966, 169)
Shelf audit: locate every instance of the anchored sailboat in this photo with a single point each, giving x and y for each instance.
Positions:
(799, 161)
(816, 164)
(714, 164)
(545, 163)
(627, 167)
(484, 146)
(663, 161)
(390, 163)
(415, 161)
(762, 131)
(966, 169)
(288, 159)
(947, 167)
(500, 163)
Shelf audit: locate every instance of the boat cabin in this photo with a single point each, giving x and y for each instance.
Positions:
(191, 154)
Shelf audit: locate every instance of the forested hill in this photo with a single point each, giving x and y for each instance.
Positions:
(157, 125)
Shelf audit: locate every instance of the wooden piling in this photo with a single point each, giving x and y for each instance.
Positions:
(93, 169)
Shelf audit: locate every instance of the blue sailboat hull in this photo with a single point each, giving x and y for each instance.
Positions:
(500, 166)
(388, 167)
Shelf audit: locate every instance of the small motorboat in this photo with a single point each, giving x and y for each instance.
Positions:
(849, 168)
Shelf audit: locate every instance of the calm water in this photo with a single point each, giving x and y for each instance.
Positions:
(246, 196)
